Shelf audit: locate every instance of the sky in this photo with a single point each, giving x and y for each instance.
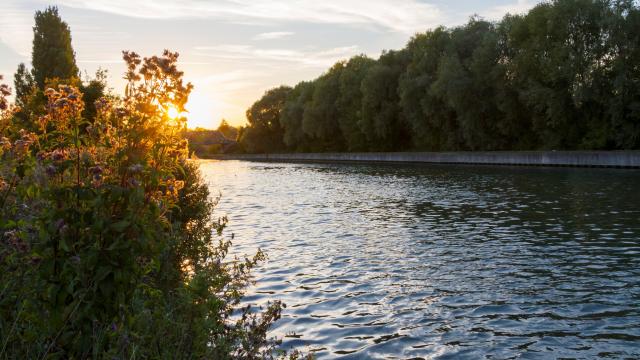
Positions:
(234, 50)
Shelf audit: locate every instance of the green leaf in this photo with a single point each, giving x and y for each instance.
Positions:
(120, 226)
(102, 273)
(64, 245)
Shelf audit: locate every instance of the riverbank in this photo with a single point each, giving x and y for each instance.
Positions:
(607, 159)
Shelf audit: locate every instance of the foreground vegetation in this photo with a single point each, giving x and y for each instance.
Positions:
(563, 76)
(107, 244)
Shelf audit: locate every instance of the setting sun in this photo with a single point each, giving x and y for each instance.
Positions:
(172, 112)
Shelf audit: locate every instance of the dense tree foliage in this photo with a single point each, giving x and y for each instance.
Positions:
(320, 118)
(382, 120)
(292, 115)
(23, 85)
(349, 102)
(265, 132)
(52, 54)
(563, 76)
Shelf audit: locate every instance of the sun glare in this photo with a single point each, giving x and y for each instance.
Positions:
(172, 112)
(204, 108)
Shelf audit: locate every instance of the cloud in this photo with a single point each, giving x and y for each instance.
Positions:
(273, 35)
(229, 81)
(406, 16)
(519, 7)
(15, 27)
(255, 55)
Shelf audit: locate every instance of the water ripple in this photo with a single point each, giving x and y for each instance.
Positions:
(447, 262)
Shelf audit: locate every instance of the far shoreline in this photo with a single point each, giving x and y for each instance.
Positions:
(621, 159)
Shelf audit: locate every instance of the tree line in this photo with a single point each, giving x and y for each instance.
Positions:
(565, 75)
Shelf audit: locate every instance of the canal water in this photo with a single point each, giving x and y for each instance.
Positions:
(403, 261)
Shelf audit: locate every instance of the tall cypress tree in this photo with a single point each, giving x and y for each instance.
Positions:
(52, 55)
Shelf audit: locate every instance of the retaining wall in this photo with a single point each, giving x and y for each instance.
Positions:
(614, 159)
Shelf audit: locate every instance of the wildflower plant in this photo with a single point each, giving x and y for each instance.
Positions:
(108, 248)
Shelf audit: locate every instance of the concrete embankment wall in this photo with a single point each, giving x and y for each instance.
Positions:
(614, 159)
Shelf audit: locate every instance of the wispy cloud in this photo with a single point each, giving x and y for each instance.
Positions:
(519, 7)
(229, 81)
(14, 20)
(405, 16)
(273, 35)
(255, 55)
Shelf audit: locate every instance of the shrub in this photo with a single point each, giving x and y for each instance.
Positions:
(108, 248)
